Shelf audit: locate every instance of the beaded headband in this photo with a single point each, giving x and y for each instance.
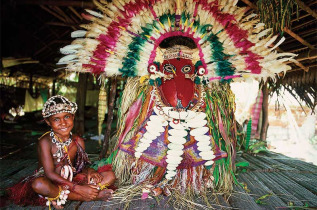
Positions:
(178, 52)
(58, 104)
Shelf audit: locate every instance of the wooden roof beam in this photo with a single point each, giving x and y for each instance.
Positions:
(60, 24)
(66, 3)
(53, 13)
(298, 38)
(308, 55)
(303, 6)
(75, 12)
(63, 14)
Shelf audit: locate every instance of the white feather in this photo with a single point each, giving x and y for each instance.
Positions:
(67, 58)
(70, 49)
(259, 25)
(96, 14)
(78, 33)
(263, 33)
(278, 44)
(271, 41)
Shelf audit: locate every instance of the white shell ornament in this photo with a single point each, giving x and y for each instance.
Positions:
(199, 131)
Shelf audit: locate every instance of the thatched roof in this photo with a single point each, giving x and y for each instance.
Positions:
(37, 29)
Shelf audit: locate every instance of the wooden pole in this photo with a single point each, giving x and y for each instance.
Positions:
(80, 100)
(265, 110)
(54, 87)
(112, 97)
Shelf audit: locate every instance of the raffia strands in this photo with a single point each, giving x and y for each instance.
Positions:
(220, 114)
(122, 168)
(129, 95)
(140, 93)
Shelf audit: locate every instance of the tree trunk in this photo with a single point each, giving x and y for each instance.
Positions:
(112, 97)
(265, 112)
(80, 100)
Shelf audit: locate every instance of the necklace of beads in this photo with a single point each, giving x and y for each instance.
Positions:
(61, 147)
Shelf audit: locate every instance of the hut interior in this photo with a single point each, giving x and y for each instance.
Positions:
(33, 31)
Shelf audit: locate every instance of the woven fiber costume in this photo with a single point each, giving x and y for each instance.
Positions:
(176, 130)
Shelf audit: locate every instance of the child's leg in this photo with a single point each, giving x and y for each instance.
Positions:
(46, 188)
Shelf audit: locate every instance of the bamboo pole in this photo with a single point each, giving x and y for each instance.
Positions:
(112, 97)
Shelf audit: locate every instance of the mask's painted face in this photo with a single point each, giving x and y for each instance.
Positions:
(178, 91)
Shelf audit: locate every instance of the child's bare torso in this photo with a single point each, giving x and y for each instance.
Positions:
(72, 150)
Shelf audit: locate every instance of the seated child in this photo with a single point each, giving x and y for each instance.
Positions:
(63, 173)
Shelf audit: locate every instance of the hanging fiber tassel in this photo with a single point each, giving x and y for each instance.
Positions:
(102, 109)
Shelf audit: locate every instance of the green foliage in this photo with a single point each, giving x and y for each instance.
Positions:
(260, 199)
(104, 161)
(258, 146)
(248, 134)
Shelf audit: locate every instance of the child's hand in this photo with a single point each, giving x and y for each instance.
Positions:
(94, 177)
(88, 192)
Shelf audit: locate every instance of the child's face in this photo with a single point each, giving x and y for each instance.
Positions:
(61, 123)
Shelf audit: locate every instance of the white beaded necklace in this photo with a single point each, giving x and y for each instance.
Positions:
(60, 146)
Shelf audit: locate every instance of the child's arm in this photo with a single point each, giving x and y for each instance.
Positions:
(46, 159)
(91, 173)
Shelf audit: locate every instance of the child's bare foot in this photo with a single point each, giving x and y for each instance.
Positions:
(105, 195)
(57, 206)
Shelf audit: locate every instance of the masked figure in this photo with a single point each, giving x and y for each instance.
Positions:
(176, 129)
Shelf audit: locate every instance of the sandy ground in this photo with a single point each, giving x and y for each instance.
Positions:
(296, 142)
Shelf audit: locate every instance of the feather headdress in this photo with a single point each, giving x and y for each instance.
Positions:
(123, 39)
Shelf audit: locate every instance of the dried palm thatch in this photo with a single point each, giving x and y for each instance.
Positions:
(301, 85)
(276, 14)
